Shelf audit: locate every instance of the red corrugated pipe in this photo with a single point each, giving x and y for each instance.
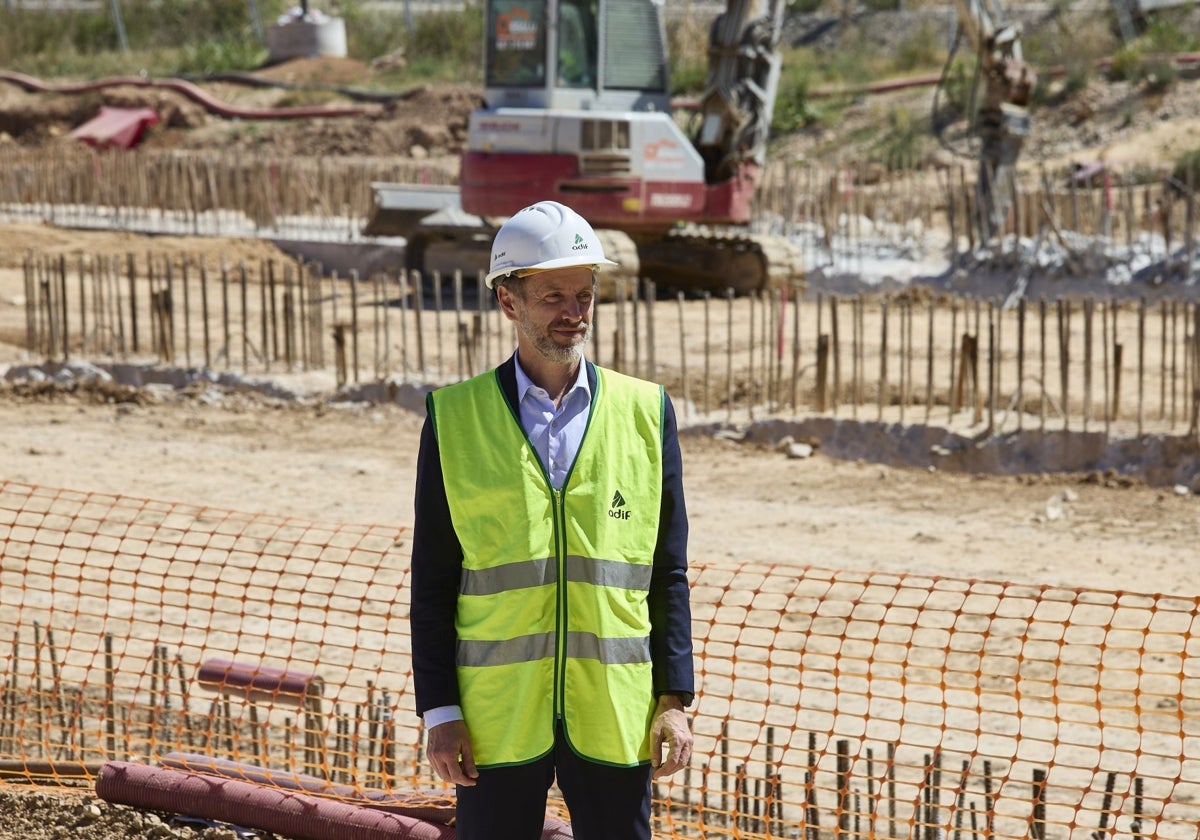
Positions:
(430, 806)
(284, 812)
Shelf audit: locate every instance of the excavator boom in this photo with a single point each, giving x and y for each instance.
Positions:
(1003, 121)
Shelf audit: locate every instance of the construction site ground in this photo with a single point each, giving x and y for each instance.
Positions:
(356, 462)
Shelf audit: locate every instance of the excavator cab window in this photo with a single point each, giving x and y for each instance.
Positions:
(577, 43)
(516, 44)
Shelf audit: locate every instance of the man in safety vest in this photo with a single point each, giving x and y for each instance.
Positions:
(551, 625)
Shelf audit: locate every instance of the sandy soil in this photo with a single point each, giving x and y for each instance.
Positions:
(356, 463)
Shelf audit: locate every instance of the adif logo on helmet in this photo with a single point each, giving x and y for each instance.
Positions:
(541, 237)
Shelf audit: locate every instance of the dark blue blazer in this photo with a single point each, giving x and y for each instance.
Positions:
(437, 567)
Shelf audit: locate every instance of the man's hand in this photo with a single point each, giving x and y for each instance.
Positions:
(450, 753)
(670, 729)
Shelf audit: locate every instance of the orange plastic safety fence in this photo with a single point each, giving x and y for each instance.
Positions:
(831, 703)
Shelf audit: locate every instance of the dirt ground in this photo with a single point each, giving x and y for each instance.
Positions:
(315, 459)
(356, 463)
(428, 120)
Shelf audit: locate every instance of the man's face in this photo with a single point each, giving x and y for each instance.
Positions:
(553, 312)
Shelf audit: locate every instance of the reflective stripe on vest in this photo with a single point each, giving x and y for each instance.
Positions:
(538, 572)
(552, 616)
(480, 654)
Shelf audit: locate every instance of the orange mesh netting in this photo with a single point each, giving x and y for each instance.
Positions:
(831, 704)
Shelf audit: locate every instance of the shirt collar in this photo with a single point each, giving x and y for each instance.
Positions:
(524, 383)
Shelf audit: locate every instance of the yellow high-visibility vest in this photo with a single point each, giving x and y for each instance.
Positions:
(552, 618)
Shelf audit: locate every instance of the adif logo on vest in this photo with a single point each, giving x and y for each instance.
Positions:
(617, 509)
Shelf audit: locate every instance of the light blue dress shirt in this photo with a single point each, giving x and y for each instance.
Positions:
(555, 433)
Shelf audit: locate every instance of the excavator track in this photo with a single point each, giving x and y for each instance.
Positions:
(464, 244)
(621, 249)
(696, 259)
(693, 260)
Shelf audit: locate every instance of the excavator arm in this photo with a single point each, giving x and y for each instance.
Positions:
(1003, 120)
(739, 93)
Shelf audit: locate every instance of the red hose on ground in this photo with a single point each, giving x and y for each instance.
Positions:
(191, 91)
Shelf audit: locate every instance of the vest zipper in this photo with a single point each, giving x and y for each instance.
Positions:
(560, 635)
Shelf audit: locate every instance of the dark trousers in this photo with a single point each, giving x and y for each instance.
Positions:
(509, 803)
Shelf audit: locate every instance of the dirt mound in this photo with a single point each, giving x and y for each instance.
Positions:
(324, 70)
(430, 120)
(72, 244)
(33, 120)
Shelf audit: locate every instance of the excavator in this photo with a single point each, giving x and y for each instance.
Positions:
(578, 109)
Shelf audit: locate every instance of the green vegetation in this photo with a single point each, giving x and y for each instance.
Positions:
(164, 37)
(1126, 64)
(854, 66)
(1075, 51)
(793, 106)
(1074, 46)
(903, 144)
(1186, 171)
(216, 56)
(1147, 60)
(442, 46)
(959, 92)
(687, 46)
(1160, 74)
(169, 37)
(924, 50)
(305, 99)
(1168, 35)
(1134, 64)
(803, 7)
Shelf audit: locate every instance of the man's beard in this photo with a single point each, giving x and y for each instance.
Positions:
(551, 350)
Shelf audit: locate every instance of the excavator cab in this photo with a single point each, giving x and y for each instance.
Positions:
(558, 54)
(577, 109)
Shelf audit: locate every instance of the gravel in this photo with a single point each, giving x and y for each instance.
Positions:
(78, 814)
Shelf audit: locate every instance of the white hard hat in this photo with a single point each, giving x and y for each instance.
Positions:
(544, 235)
